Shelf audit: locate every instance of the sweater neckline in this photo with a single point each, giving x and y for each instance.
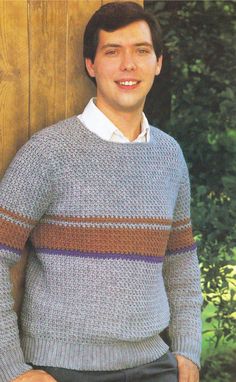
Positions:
(91, 135)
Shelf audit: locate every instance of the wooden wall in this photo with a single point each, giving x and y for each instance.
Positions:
(42, 77)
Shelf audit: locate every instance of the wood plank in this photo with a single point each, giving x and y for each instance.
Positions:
(48, 36)
(14, 81)
(14, 101)
(79, 88)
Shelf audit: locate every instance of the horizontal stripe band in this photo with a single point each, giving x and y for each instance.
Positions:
(109, 219)
(179, 223)
(16, 216)
(182, 250)
(107, 225)
(10, 249)
(4, 218)
(111, 256)
(182, 227)
(180, 239)
(13, 235)
(102, 240)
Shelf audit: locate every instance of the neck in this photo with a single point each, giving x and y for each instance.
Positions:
(128, 122)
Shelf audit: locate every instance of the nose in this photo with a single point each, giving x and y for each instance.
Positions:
(127, 62)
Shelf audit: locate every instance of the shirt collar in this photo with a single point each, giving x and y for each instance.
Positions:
(96, 121)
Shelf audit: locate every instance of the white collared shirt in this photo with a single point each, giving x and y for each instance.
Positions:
(96, 121)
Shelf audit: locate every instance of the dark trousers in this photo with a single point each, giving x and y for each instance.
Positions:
(162, 370)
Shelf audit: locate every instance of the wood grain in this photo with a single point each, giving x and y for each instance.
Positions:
(14, 80)
(14, 100)
(48, 37)
(79, 88)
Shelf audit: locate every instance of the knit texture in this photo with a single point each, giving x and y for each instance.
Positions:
(112, 260)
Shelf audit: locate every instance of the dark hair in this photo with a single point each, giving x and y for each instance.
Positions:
(113, 16)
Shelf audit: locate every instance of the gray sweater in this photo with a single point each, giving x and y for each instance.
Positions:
(112, 260)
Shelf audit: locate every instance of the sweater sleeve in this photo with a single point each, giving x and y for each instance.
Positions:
(25, 193)
(182, 278)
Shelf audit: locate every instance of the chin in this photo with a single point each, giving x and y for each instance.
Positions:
(130, 104)
(127, 107)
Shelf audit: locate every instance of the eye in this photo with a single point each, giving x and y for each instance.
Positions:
(143, 51)
(111, 52)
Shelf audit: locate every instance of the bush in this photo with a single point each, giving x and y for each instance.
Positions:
(194, 101)
(219, 367)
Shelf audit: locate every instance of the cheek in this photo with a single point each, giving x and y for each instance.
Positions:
(108, 68)
(151, 73)
(103, 72)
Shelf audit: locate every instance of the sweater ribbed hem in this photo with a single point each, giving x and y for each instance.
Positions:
(188, 348)
(12, 364)
(93, 357)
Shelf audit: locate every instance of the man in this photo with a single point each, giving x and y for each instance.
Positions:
(104, 200)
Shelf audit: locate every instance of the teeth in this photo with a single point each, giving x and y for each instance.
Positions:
(128, 83)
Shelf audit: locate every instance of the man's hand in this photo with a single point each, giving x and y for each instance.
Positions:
(34, 376)
(188, 371)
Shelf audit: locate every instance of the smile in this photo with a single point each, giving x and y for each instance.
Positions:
(128, 84)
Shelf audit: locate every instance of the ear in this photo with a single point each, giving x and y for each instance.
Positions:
(90, 67)
(159, 65)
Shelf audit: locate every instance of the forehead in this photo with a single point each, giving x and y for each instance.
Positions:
(133, 33)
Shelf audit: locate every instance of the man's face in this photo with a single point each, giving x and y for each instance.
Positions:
(124, 67)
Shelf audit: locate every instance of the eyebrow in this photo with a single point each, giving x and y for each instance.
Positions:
(112, 45)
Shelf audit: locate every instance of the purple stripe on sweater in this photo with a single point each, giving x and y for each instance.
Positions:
(11, 249)
(112, 256)
(182, 250)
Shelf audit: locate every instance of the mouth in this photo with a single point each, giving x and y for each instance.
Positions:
(127, 84)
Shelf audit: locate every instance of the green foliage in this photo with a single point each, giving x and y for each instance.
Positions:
(196, 104)
(220, 367)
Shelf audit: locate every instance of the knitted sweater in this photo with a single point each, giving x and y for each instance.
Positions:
(112, 260)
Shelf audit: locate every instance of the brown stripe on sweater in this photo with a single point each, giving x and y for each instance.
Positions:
(18, 217)
(180, 223)
(180, 239)
(13, 235)
(104, 240)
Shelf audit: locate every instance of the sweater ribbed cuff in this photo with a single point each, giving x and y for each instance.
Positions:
(12, 364)
(187, 347)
